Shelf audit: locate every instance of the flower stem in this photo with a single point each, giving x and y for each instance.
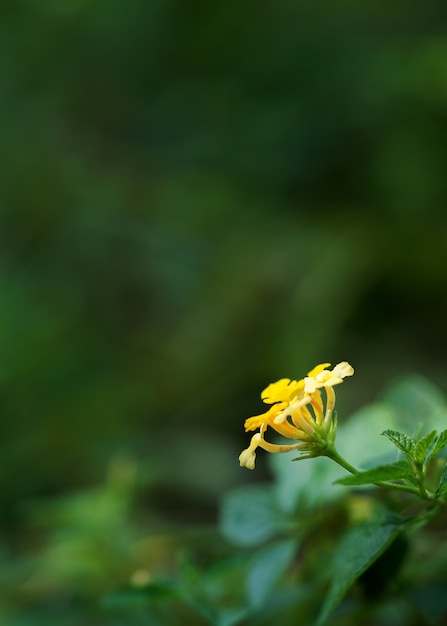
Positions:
(333, 454)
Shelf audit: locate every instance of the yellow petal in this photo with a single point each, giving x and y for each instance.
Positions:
(311, 384)
(252, 423)
(343, 369)
(317, 369)
(328, 379)
(247, 458)
(282, 390)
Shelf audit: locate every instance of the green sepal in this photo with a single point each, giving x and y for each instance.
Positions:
(392, 471)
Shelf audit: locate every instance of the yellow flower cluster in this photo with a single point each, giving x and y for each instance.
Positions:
(298, 412)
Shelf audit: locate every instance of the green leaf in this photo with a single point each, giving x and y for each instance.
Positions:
(266, 569)
(423, 448)
(305, 485)
(365, 426)
(440, 443)
(431, 600)
(229, 616)
(217, 592)
(155, 592)
(401, 441)
(251, 515)
(442, 487)
(392, 471)
(416, 401)
(157, 602)
(358, 549)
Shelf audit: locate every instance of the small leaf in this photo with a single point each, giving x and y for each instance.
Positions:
(401, 441)
(393, 471)
(442, 487)
(359, 548)
(422, 449)
(266, 569)
(440, 443)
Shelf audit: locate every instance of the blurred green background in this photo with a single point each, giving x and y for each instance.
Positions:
(198, 198)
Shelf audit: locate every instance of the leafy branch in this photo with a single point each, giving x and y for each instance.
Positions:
(407, 474)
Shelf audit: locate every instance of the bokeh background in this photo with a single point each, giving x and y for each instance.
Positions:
(197, 199)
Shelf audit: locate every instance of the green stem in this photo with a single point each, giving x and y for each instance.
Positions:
(426, 516)
(425, 493)
(333, 454)
(399, 487)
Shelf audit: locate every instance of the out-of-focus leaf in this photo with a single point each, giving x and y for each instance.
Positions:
(431, 600)
(251, 515)
(418, 402)
(357, 550)
(306, 484)
(230, 616)
(157, 592)
(358, 438)
(217, 592)
(157, 604)
(266, 568)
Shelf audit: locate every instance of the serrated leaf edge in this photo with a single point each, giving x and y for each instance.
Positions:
(392, 435)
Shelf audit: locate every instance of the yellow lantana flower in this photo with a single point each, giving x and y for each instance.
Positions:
(322, 377)
(299, 413)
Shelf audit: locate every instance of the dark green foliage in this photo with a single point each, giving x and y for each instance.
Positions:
(357, 551)
(196, 199)
(385, 570)
(251, 515)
